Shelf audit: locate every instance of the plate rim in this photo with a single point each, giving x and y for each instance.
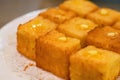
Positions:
(3, 66)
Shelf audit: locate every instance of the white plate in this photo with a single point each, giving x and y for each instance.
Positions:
(12, 64)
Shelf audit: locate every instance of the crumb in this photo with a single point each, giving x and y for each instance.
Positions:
(31, 64)
(27, 66)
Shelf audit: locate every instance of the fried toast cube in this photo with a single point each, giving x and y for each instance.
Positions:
(28, 33)
(57, 15)
(77, 28)
(104, 16)
(53, 51)
(92, 63)
(81, 7)
(104, 37)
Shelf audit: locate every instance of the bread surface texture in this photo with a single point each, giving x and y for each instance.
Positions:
(104, 16)
(28, 33)
(81, 7)
(92, 63)
(53, 51)
(57, 15)
(77, 28)
(104, 37)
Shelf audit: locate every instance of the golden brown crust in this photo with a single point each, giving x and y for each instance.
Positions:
(82, 8)
(52, 53)
(117, 25)
(104, 37)
(27, 34)
(77, 28)
(92, 63)
(104, 16)
(58, 15)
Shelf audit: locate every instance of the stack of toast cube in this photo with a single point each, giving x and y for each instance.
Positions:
(75, 41)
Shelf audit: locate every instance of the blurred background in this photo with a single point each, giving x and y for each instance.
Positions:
(11, 9)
